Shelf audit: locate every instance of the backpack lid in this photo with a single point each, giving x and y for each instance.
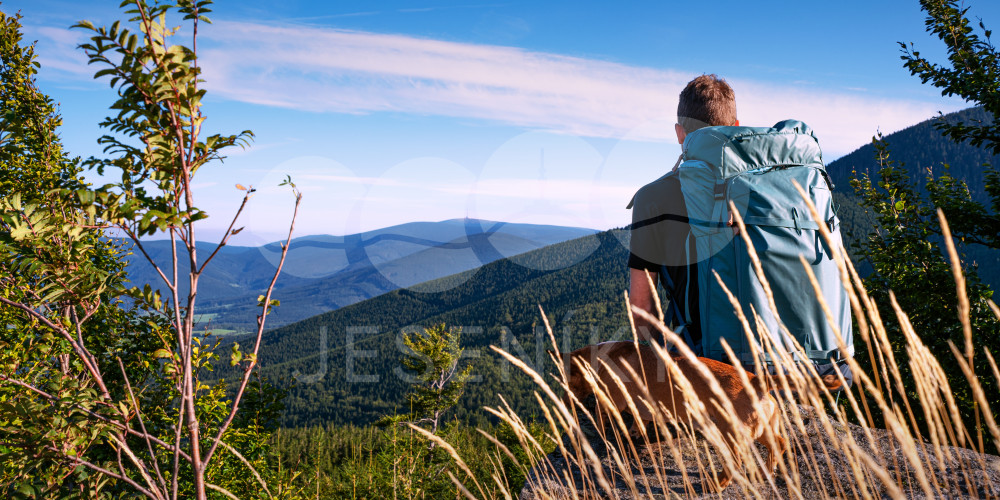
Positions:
(731, 150)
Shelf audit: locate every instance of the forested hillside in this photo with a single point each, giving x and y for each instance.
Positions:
(921, 147)
(359, 381)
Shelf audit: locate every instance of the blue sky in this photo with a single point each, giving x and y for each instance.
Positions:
(553, 113)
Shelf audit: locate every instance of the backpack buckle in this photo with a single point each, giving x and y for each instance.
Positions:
(720, 190)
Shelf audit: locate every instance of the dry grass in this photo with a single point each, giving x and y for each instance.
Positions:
(835, 452)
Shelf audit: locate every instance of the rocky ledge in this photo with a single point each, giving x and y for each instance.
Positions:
(965, 474)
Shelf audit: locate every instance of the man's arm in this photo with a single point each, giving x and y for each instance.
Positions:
(641, 296)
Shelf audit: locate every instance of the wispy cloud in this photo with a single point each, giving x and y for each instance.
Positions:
(357, 72)
(319, 69)
(338, 16)
(330, 70)
(843, 121)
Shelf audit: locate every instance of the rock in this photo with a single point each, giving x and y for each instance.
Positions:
(964, 474)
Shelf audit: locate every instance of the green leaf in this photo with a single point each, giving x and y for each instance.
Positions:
(236, 355)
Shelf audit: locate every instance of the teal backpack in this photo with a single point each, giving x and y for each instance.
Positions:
(754, 168)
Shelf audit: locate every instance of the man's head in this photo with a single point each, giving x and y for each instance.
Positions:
(706, 101)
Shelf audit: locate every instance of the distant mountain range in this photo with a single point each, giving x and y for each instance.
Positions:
(342, 366)
(323, 273)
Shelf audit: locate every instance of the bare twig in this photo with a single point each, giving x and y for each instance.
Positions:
(222, 490)
(122, 446)
(246, 462)
(185, 353)
(81, 352)
(260, 333)
(138, 244)
(121, 477)
(77, 324)
(229, 233)
(142, 425)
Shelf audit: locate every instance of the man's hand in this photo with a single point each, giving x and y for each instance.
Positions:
(641, 295)
(732, 224)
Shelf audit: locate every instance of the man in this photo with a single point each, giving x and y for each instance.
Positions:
(661, 242)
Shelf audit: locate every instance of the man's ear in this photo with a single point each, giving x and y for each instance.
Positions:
(681, 133)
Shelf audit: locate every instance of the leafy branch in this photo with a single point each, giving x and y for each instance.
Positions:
(115, 384)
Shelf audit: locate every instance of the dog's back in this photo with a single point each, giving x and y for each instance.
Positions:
(628, 373)
(665, 392)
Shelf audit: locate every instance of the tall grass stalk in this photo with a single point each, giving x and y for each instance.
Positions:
(825, 458)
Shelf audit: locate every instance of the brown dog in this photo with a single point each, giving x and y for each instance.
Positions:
(667, 395)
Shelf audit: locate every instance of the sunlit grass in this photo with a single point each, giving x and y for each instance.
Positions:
(825, 459)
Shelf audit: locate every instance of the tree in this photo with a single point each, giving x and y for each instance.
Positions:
(905, 248)
(30, 150)
(908, 261)
(101, 384)
(972, 73)
(414, 466)
(66, 274)
(433, 360)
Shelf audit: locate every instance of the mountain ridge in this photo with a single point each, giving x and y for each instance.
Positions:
(921, 147)
(334, 271)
